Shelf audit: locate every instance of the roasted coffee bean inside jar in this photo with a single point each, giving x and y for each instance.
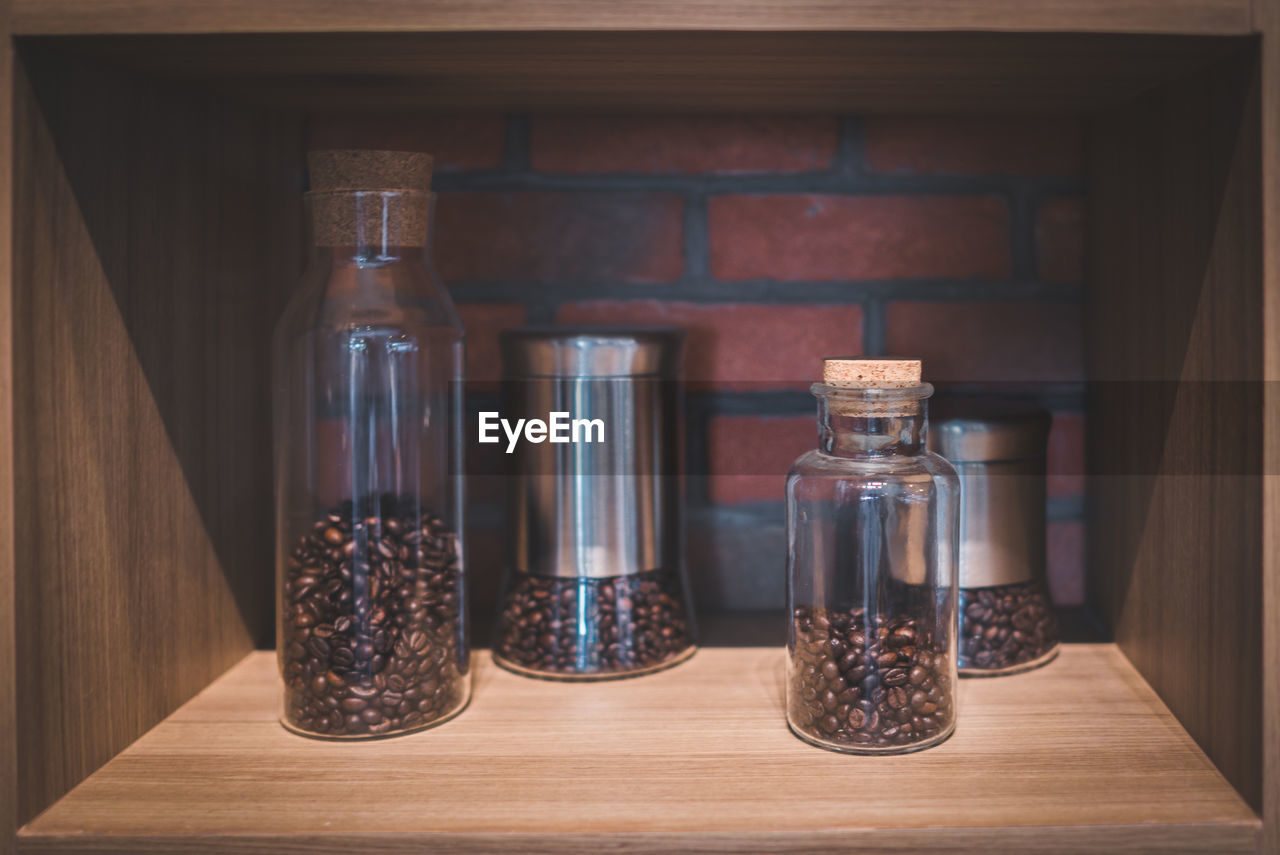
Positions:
(1006, 627)
(859, 685)
(371, 642)
(580, 627)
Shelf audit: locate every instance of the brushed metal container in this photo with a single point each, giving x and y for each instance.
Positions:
(595, 578)
(999, 449)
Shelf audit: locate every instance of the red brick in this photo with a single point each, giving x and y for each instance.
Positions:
(743, 345)
(483, 322)
(750, 455)
(463, 141)
(990, 341)
(683, 144)
(858, 237)
(1060, 240)
(1066, 455)
(1066, 563)
(559, 236)
(972, 146)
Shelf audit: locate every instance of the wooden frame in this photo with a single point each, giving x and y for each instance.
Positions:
(138, 412)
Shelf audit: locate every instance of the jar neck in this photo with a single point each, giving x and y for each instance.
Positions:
(368, 255)
(857, 430)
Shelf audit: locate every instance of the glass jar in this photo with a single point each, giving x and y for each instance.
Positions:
(871, 568)
(371, 630)
(999, 448)
(595, 582)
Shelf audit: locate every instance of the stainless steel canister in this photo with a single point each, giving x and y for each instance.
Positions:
(595, 581)
(999, 448)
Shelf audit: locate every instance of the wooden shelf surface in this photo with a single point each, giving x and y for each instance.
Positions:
(1079, 756)
(196, 16)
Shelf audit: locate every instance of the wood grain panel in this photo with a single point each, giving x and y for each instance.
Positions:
(1268, 17)
(695, 759)
(217, 16)
(8, 675)
(1175, 337)
(869, 72)
(157, 233)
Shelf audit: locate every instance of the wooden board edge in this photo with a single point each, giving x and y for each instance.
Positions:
(8, 636)
(1236, 838)
(1267, 18)
(83, 17)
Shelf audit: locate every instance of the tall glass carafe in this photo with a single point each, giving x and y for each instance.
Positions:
(368, 359)
(871, 563)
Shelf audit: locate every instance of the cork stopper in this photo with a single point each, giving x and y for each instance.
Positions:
(354, 169)
(369, 198)
(871, 373)
(874, 375)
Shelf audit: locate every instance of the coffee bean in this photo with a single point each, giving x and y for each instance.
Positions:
(1006, 627)
(896, 672)
(563, 626)
(895, 677)
(355, 650)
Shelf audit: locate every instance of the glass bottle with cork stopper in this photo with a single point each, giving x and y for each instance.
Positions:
(368, 359)
(871, 567)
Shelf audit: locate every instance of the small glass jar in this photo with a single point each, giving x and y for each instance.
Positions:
(871, 568)
(371, 628)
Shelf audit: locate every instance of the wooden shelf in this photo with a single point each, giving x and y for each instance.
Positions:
(1079, 756)
(193, 16)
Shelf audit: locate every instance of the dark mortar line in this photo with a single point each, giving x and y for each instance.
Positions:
(827, 182)
(1022, 234)
(850, 159)
(840, 292)
(874, 327)
(697, 252)
(515, 151)
(697, 452)
(1057, 397)
(765, 513)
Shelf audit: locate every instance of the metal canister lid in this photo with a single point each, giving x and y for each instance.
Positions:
(592, 351)
(987, 430)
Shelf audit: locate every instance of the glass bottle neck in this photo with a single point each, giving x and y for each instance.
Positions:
(848, 430)
(369, 255)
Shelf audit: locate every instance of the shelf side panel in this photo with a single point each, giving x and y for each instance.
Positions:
(8, 659)
(157, 232)
(1268, 16)
(1174, 341)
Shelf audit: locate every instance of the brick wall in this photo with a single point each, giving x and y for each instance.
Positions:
(775, 241)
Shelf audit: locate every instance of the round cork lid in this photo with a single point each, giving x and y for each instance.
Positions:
(855, 373)
(356, 169)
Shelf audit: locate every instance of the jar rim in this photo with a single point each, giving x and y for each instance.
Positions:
(879, 394)
(413, 194)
